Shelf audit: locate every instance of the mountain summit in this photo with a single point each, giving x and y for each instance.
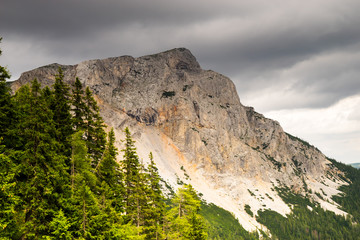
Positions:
(199, 132)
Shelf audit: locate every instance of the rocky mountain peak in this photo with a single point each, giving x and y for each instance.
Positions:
(178, 58)
(199, 132)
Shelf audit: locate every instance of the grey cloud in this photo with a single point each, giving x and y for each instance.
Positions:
(78, 17)
(252, 42)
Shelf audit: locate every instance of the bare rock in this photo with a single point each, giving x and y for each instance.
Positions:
(193, 118)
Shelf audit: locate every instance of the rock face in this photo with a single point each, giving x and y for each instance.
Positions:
(193, 122)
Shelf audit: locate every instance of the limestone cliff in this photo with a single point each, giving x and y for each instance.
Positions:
(193, 122)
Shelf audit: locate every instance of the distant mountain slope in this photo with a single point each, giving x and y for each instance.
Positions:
(194, 123)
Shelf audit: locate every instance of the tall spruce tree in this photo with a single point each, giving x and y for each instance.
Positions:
(41, 170)
(131, 170)
(184, 219)
(6, 108)
(60, 106)
(8, 196)
(83, 182)
(110, 176)
(155, 207)
(78, 106)
(143, 198)
(94, 128)
(60, 226)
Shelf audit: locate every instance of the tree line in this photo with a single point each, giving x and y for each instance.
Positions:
(59, 177)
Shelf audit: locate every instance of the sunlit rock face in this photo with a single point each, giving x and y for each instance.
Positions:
(199, 132)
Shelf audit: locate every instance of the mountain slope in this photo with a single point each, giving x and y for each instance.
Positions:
(194, 123)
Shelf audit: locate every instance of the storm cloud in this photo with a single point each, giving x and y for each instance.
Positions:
(282, 55)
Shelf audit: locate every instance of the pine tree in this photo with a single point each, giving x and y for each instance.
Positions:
(83, 182)
(41, 170)
(60, 226)
(184, 219)
(109, 175)
(94, 128)
(8, 196)
(143, 198)
(6, 108)
(108, 168)
(131, 170)
(61, 105)
(78, 106)
(155, 207)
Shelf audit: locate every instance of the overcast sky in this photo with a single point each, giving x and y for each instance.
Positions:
(295, 61)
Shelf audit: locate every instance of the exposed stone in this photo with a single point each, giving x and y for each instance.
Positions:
(193, 118)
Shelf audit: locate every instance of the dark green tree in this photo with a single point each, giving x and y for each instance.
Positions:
(41, 170)
(184, 219)
(78, 106)
(155, 206)
(83, 181)
(8, 196)
(60, 106)
(94, 128)
(132, 181)
(60, 226)
(109, 175)
(6, 108)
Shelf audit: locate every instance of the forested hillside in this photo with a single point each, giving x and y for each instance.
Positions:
(60, 178)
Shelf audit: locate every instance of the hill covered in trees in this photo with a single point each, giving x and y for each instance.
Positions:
(60, 179)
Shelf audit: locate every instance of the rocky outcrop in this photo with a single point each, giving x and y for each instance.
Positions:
(198, 130)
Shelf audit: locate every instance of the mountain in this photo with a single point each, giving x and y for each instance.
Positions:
(355, 165)
(200, 133)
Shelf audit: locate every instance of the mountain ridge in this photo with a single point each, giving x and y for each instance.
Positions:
(194, 122)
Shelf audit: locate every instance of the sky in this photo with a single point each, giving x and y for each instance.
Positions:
(297, 62)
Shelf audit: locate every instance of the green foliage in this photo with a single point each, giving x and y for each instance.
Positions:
(59, 178)
(131, 168)
(183, 219)
(60, 226)
(305, 143)
(269, 196)
(8, 197)
(60, 105)
(222, 224)
(195, 130)
(251, 193)
(291, 198)
(6, 109)
(108, 169)
(308, 220)
(168, 94)
(94, 128)
(248, 210)
(155, 213)
(350, 202)
(78, 105)
(303, 223)
(40, 171)
(277, 164)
